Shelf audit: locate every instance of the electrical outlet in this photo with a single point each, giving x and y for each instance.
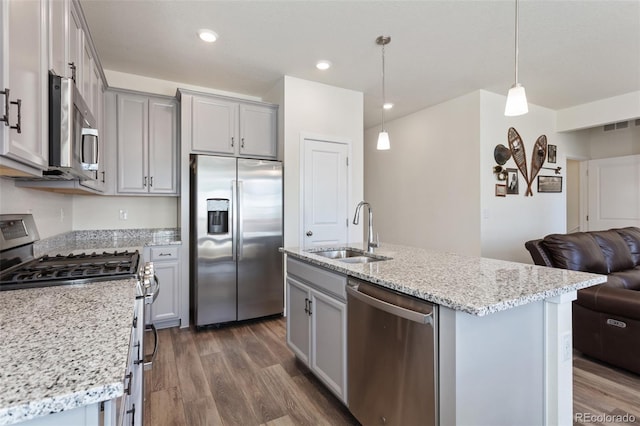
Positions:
(123, 215)
(566, 348)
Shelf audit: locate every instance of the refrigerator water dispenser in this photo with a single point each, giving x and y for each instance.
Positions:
(217, 216)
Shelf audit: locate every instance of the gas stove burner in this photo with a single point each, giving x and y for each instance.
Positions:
(71, 269)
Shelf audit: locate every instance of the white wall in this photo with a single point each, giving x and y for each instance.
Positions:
(508, 222)
(161, 87)
(613, 143)
(103, 212)
(316, 108)
(52, 212)
(425, 190)
(603, 111)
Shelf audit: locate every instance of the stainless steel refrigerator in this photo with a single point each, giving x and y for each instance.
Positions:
(236, 230)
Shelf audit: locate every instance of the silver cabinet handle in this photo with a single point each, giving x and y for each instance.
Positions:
(18, 125)
(232, 141)
(5, 116)
(130, 377)
(151, 182)
(144, 184)
(242, 142)
(309, 233)
(102, 177)
(388, 307)
(72, 65)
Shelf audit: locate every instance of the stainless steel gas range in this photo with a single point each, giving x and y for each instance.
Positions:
(20, 269)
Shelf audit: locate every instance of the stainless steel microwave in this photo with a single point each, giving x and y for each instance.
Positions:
(73, 132)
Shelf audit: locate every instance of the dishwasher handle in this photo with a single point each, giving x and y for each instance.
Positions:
(408, 314)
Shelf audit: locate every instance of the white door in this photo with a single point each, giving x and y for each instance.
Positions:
(614, 192)
(325, 193)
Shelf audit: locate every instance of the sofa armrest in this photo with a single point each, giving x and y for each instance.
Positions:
(538, 253)
(611, 300)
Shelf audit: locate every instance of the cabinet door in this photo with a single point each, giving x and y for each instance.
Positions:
(329, 343)
(87, 72)
(258, 126)
(163, 147)
(214, 126)
(25, 39)
(133, 116)
(165, 306)
(298, 327)
(75, 47)
(58, 37)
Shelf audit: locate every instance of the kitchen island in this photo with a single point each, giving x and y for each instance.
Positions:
(504, 330)
(64, 348)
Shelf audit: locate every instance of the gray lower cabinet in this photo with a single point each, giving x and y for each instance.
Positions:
(165, 310)
(317, 322)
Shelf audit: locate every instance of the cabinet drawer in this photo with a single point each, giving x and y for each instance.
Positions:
(159, 254)
(318, 277)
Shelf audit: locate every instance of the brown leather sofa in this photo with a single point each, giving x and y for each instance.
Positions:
(606, 317)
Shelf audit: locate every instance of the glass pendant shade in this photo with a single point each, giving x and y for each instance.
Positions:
(383, 141)
(516, 101)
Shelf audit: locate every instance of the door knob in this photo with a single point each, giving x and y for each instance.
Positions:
(309, 233)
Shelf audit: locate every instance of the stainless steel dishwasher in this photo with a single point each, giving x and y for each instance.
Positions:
(392, 357)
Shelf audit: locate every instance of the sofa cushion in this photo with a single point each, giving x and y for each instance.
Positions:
(631, 236)
(629, 279)
(578, 251)
(615, 250)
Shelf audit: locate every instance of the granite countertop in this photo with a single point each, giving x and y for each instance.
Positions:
(109, 239)
(63, 347)
(478, 286)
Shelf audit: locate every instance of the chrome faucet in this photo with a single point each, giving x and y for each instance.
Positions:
(356, 218)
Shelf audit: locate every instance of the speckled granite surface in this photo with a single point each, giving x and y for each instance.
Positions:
(106, 239)
(474, 285)
(73, 352)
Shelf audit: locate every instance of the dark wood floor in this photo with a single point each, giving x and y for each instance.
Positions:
(245, 375)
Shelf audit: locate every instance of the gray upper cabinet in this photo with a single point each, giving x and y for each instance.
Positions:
(215, 124)
(146, 145)
(258, 131)
(23, 71)
(228, 126)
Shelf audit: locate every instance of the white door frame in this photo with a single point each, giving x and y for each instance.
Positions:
(304, 136)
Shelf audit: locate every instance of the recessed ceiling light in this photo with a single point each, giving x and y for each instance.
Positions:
(388, 105)
(323, 65)
(207, 35)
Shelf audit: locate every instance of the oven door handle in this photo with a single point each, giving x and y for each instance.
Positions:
(151, 296)
(149, 359)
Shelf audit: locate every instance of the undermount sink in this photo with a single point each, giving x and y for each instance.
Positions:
(349, 255)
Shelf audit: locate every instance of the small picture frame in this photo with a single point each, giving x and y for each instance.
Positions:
(501, 190)
(512, 181)
(549, 183)
(551, 149)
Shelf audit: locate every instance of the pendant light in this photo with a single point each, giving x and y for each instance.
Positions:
(383, 137)
(517, 98)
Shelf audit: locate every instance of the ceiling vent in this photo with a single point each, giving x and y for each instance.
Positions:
(620, 125)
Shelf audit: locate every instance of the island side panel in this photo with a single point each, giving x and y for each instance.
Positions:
(492, 368)
(559, 359)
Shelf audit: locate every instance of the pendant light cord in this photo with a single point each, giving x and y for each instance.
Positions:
(383, 88)
(517, 42)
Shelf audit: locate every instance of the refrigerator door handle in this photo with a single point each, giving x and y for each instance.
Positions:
(240, 222)
(234, 219)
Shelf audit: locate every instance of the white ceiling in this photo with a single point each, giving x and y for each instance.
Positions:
(571, 52)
